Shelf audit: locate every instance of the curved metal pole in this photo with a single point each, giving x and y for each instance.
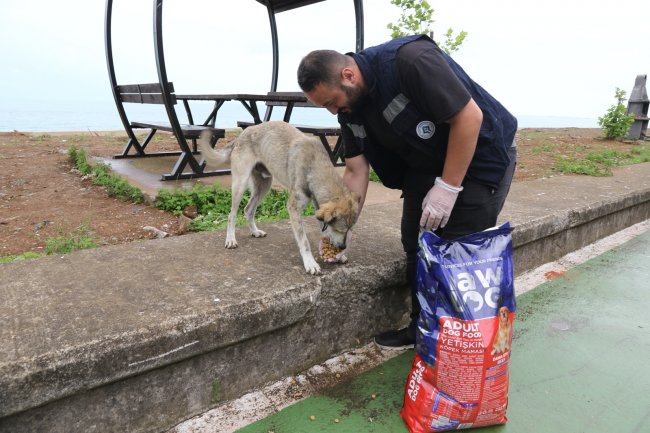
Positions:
(276, 57)
(358, 13)
(165, 88)
(108, 46)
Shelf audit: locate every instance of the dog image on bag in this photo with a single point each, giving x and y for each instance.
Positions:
(502, 338)
(299, 162)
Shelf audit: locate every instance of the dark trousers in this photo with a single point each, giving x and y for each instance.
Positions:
(476, 209)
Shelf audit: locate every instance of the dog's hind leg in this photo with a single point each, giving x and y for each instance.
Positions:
(238, 189)
(295, 205)
(260, 185)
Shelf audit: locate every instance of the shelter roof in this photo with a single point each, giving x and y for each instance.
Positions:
(285, 5)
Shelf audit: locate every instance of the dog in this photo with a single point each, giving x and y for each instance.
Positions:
(502, 339)
(299, 162)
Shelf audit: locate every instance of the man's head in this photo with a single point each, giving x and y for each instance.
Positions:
(332, 80)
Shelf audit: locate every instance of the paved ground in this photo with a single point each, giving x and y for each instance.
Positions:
(579, 361)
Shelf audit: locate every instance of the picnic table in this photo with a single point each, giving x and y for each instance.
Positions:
(249, 101)
(288, 100)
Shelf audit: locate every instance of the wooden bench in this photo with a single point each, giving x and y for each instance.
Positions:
(151, 93)
(322, 132)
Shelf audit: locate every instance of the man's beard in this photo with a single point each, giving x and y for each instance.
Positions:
(354, 95)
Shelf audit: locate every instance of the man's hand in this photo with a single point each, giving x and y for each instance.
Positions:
(437, 205)
(330, 254)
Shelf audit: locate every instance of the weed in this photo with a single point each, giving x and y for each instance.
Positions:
(80, 239)
(102, 176)
(599, 163)
(24, 256)
(545, 148)
(581, 166)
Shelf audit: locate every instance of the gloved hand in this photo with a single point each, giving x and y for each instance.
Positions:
(437, 205)
(340, 257)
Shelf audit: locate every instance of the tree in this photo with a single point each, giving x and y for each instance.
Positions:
(416, 19)
(616, 122)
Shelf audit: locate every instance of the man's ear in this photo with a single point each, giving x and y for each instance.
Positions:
(347, 75)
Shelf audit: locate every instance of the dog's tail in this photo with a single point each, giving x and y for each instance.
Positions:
(212, 156)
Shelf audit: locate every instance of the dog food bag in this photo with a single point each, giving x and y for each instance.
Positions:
(459, 377)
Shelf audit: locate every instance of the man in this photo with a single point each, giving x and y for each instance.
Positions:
(412, 113)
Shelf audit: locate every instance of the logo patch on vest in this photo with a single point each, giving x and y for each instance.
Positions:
(425, 129)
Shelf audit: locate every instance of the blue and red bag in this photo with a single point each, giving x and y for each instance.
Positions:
(459, 377)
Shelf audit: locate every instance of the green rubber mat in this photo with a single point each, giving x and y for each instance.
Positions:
(579, 362)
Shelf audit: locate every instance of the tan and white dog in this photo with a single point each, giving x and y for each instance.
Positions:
(278, 150)
(502, 338)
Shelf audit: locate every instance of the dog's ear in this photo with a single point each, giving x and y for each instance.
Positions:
(356, 197)
(326, 213)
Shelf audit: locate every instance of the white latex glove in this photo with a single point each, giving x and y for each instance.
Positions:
(437, 205)
(340, 257)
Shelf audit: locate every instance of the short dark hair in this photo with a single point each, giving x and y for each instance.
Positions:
(320, 66)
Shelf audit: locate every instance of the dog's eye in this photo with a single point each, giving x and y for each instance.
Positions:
(324, 227)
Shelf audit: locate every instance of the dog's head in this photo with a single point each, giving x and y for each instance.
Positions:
(503, 314)
(337, 218)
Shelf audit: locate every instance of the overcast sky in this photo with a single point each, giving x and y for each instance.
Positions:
(551, 58)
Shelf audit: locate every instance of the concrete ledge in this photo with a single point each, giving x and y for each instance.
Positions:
(139, 337)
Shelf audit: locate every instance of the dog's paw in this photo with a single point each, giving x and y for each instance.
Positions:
(312, 267)
(258, 233)
(231, 243)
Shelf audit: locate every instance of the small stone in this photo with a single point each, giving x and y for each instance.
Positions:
(183, 224)
(190, 212)
(157, 233)
(312, 417)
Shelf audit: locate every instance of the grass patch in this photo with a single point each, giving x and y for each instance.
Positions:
(545, 148)
(80, 239)
(24, 256)
(212, 203)
(101, 175)
(600, 163)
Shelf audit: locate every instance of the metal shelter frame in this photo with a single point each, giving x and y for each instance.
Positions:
(166, 88)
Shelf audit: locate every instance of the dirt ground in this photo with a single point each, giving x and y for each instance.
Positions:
(42, 196)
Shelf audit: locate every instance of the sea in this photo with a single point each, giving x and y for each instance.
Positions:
(93, 116)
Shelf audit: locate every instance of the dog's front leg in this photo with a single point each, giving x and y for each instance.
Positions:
(295, 206)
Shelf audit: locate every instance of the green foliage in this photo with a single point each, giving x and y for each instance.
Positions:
(581, 166)
(213, 206)
(616, 122)
(416, 19)
(600, 163)
(373, 176)
(452, 43)
(78, 158)
(80, 239)
(24, 256)
(102, 176)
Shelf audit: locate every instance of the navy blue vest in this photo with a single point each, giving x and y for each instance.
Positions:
(377, 64)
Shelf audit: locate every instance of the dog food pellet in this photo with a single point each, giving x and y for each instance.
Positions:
(329, 251)
(312, 417)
